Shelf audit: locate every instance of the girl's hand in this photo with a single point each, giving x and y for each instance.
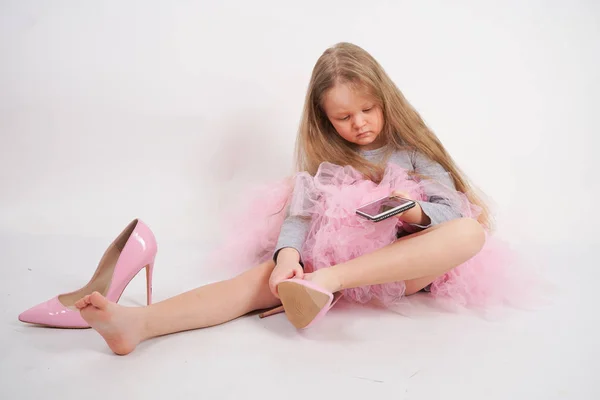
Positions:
(401, 194)
(288, 266)
(414, 215)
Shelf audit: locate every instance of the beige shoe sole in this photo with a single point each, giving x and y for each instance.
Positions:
(302, 304)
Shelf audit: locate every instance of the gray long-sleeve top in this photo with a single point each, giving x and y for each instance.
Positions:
(439, 209)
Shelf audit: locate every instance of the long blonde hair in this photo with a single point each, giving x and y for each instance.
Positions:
(403, 127)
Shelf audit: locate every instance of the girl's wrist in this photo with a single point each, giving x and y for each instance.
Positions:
(288, 254)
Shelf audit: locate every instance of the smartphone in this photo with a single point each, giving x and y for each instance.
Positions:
(385, 207)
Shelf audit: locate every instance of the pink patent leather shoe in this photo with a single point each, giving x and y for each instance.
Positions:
(304, 302)
(134, 249)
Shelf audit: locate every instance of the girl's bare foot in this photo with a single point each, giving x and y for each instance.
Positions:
(121, 327)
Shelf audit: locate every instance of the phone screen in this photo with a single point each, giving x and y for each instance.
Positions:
(383, 205)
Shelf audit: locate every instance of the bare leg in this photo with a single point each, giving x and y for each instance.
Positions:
(124, 328)
(417, 259)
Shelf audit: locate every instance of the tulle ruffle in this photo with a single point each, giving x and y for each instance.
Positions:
(329, 199)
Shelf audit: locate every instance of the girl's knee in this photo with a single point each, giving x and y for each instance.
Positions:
(470, 234)
(259, 273)
(254, 284)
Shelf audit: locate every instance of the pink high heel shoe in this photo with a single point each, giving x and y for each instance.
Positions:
(304, 302)
(134, 249)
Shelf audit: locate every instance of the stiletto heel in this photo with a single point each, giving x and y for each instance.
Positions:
(134, 249)
(149, 270)
(272, 311)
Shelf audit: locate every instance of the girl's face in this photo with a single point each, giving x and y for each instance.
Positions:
(355, 115)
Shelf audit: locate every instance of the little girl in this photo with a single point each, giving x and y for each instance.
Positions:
(359, 140)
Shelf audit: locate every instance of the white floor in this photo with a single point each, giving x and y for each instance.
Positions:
(547, 353)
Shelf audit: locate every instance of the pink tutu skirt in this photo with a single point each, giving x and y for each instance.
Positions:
(337, 234)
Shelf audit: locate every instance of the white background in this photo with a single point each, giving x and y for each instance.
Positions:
(115, 110)
(162, 110)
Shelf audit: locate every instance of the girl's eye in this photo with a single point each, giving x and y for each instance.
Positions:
(345, 118)
(368, 109)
